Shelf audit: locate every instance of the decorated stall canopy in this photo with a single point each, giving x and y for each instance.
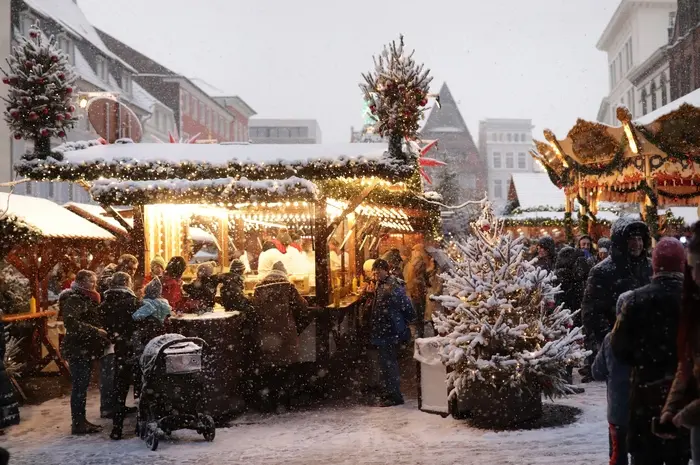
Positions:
(654, 161)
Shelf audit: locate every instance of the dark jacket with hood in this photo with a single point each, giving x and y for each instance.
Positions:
(644, 338)
(547, 263)
(618, 273)
(572, 270)
(9, 408)
(117, 308)
(82, 320)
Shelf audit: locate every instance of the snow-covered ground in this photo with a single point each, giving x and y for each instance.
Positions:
(351, 435)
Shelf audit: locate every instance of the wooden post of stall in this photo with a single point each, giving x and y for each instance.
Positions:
(323, 322)
(139, 244)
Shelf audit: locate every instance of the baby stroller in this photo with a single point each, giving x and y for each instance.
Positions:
(173, 389)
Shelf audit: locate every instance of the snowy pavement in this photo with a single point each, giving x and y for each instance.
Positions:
(350, 435)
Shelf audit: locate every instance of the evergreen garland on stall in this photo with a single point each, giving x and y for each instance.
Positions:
(14, 231)
(397, 93)
(41, 86)
(500, 328)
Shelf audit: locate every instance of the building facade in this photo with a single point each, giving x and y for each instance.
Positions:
(505, 144)
(684, 44)
(635, 32)
(455, 147)
(98, 70)
(284, 131)
(652, 83)
(6, 172)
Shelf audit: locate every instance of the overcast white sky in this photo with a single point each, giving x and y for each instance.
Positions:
(302, 59)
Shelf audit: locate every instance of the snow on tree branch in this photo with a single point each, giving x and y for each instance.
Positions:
(500, 326)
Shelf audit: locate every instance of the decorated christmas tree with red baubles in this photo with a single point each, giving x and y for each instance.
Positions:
(397, 92)
(41, 86)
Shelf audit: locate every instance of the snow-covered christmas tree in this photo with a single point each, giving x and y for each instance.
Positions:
(397, 94)
(500, 333)
(41, 86)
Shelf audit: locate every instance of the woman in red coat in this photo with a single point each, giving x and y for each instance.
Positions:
(172, 283)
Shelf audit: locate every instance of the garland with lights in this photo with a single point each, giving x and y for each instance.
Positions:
(41, 86)
(215, 191)
(397, 93)
(678, 131)
(148, 170)
(15, 231)
(567, 179)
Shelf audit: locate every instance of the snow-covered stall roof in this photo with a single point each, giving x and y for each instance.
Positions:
(535, 190)
(214, 191)
(200, 235)
(209, 161)
(96, 214)
(692, 98)
(51, 219)
(68, 14)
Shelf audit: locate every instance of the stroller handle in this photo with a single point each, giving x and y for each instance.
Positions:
(196, 340)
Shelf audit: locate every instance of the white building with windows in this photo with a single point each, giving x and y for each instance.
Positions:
(98, 70)
(505, 143)
(284, 131)
(634, 34)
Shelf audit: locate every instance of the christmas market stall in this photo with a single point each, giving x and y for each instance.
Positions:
(651, 163)
(37, 236)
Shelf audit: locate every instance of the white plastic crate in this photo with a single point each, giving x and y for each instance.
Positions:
(177, 364)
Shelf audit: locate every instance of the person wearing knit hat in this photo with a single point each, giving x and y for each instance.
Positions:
(157, 269)
(237, 266)
(233, 297)
(644, 337)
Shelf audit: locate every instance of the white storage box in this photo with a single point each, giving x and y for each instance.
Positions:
(177, 364)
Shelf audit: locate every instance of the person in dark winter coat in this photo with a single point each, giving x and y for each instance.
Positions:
(546, 253)
(644, 337)
(125, 264)
(118, 307)
(276, 301)
(572, 270)
(391, 314)
(232, 287)
(9, 408)
(202, 291)
(585, 244)
(84, 342)
(395, 261)
(628, 267)
(616, 374)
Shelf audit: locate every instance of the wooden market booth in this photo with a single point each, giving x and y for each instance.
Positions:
(653, 162)
(351, 197)
(58, 237)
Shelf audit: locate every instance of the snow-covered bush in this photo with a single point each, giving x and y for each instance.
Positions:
(14, 290)
(500, 328)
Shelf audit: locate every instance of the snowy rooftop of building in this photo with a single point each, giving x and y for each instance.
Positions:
(68, 15)
(692, 98)
(50, 218)
(536, 190)
(210, 90)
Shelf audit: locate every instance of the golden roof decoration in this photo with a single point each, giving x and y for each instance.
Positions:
(591, 141)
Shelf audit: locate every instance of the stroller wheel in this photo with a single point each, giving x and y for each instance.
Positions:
(152, 441)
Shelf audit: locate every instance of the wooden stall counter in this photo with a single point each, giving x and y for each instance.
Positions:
(224, 359)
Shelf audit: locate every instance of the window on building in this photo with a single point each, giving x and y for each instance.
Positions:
(500, 137)
(67, 46)
(193, 107)
(630, 100)
(652, 91)
(156, 119)
(102, 69)
(284, 132)
(644, 101)
(494, 136)
(303, 132)
(509, 160)
(185, 103)
(52, 190)
(523, 137)
(294, 132)
(619, 65)
(611, 71)
(497, 189)
(26, 21)
(127, 82)
(28, 188)
(522, 161)
(509, 137)
(71, 192)
(664, 89)
(202, 112)
(274, 132)
(497, 160)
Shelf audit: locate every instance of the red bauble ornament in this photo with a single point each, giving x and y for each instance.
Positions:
(18, 136)
(68, 116)
(423, 102)
(69, 90)
(61, 134)
(13, 81)
(41, 80)
(45, 111)
(59, 117)
(54, 58)
(14, 114)
(28, 64)
(61, 76)
(33, 116)
(373, 109)
(33, 34)
(5, 80)
(486, 227)
(44, 132)
(71, 109)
